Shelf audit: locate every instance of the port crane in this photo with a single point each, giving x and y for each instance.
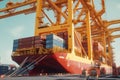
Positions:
(79, 18)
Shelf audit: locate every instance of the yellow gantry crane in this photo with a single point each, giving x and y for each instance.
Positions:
(78, 17)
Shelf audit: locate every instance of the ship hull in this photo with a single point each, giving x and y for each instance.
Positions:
(55, 63)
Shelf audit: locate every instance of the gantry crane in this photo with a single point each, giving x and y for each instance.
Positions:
(77, 17)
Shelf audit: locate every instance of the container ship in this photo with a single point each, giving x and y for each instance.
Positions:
(70, 37)
(49, 55)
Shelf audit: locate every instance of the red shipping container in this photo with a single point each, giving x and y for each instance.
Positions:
(26, 39)
(29, 42)
(26, 43)
(40, 37)
(37, 37)
(26, 46)
(38, 41)
(39, 45)
(65, 33)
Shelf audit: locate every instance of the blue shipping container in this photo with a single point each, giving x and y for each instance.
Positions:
(16, 41)
(15, 44)
(15, 48)
(53, 40)
(54, 37)
(3, 69)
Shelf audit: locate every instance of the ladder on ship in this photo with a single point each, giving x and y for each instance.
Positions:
(22, 69)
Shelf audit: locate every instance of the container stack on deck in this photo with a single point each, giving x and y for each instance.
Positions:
(29, 42)
(53, 40)
(50, 41)
(64, 35)
(98, 49)
(26, 42)
(39, 41)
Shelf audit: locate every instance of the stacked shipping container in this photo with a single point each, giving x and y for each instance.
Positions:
(97, 48)
(39, 41)
(30, 42)
(53, 40)
(26, 42)
(49, 41)
(3, 69)
(64, 35)
(15, 44)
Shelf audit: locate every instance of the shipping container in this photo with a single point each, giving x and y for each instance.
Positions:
(40, 37)
(15, 44)
(63, 35)
(51, 45)
(15, 48)
(5, 69)
(39, 45)
(54, 37)
(29, 42)
(26, 43)
(28, 39)
(16, 41)
(40, 42)
(53, 40)
(26, 46)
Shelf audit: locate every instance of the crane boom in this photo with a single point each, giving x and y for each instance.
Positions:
(111, 30)
(108, 23)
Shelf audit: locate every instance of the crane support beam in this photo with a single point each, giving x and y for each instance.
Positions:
(38, 16)
(56, 8)
(111, 30)
(47, 17)
(115, 36)
(108, 23)
(94, 31)
(53, 29)
(76, 6)
(103, 8)
(89, 40)
(25, 11)
(71, 27)
(17, 5)
(93, 13)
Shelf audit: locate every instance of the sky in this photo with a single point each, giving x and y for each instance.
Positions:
(21, 26)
